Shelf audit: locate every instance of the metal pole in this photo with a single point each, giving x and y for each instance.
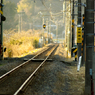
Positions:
(72, 28)
(20, 22)
(89, 22)
(65, 25)
(1, 35)
(70, 35)
(47, 29)
(50, 30)
(57, 31)
(43, 32)
(79, 23)
(64, 14)
(84, 41)
(93, 66)
(33, 16)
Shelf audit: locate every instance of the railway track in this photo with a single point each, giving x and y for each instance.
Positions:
(17, 80)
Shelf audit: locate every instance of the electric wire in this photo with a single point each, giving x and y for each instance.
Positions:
(52, 14)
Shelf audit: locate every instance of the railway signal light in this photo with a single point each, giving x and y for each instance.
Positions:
(3, 18)
(1, 5)
(4, 49)
(44, 26)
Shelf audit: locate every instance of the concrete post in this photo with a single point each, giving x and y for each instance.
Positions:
(79, 23)
(89, 23)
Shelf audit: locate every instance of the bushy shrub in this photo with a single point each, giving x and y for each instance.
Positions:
(35, 42)
(19, 43)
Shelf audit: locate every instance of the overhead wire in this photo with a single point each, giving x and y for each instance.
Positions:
(50, 10)
(45, 5)
(47, 8)
(55, 5)
(51, 14)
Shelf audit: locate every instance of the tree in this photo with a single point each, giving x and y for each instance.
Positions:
(26, 6)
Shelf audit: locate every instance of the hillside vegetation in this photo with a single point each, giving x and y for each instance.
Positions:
(20, 43)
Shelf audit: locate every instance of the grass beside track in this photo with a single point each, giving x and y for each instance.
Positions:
(76, 80)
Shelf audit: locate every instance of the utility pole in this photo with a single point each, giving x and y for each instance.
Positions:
(47, 30)
(20, 14)
(57, 31)
(33, 16)
(72, 28)
(93, 66)
(79, 26)
(70, 35)
(65, 24)
(19, 22)
(50, 30)
(43, 32)
(90, 53)
(50, 23)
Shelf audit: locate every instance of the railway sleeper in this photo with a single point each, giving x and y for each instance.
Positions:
(39, 60)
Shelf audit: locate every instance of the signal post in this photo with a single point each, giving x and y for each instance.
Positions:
(1, 29)
(1, 34)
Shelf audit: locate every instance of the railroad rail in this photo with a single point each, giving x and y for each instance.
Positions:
(12, 75)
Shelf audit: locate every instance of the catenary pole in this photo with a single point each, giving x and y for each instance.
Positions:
(89, 23)
(65, 24)
(47, 30)
(33, 16)
(93, 66)
(50, 30)
(84, 40)
(79, 23)
(43, 32)
(72, 27)
(57, 31)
